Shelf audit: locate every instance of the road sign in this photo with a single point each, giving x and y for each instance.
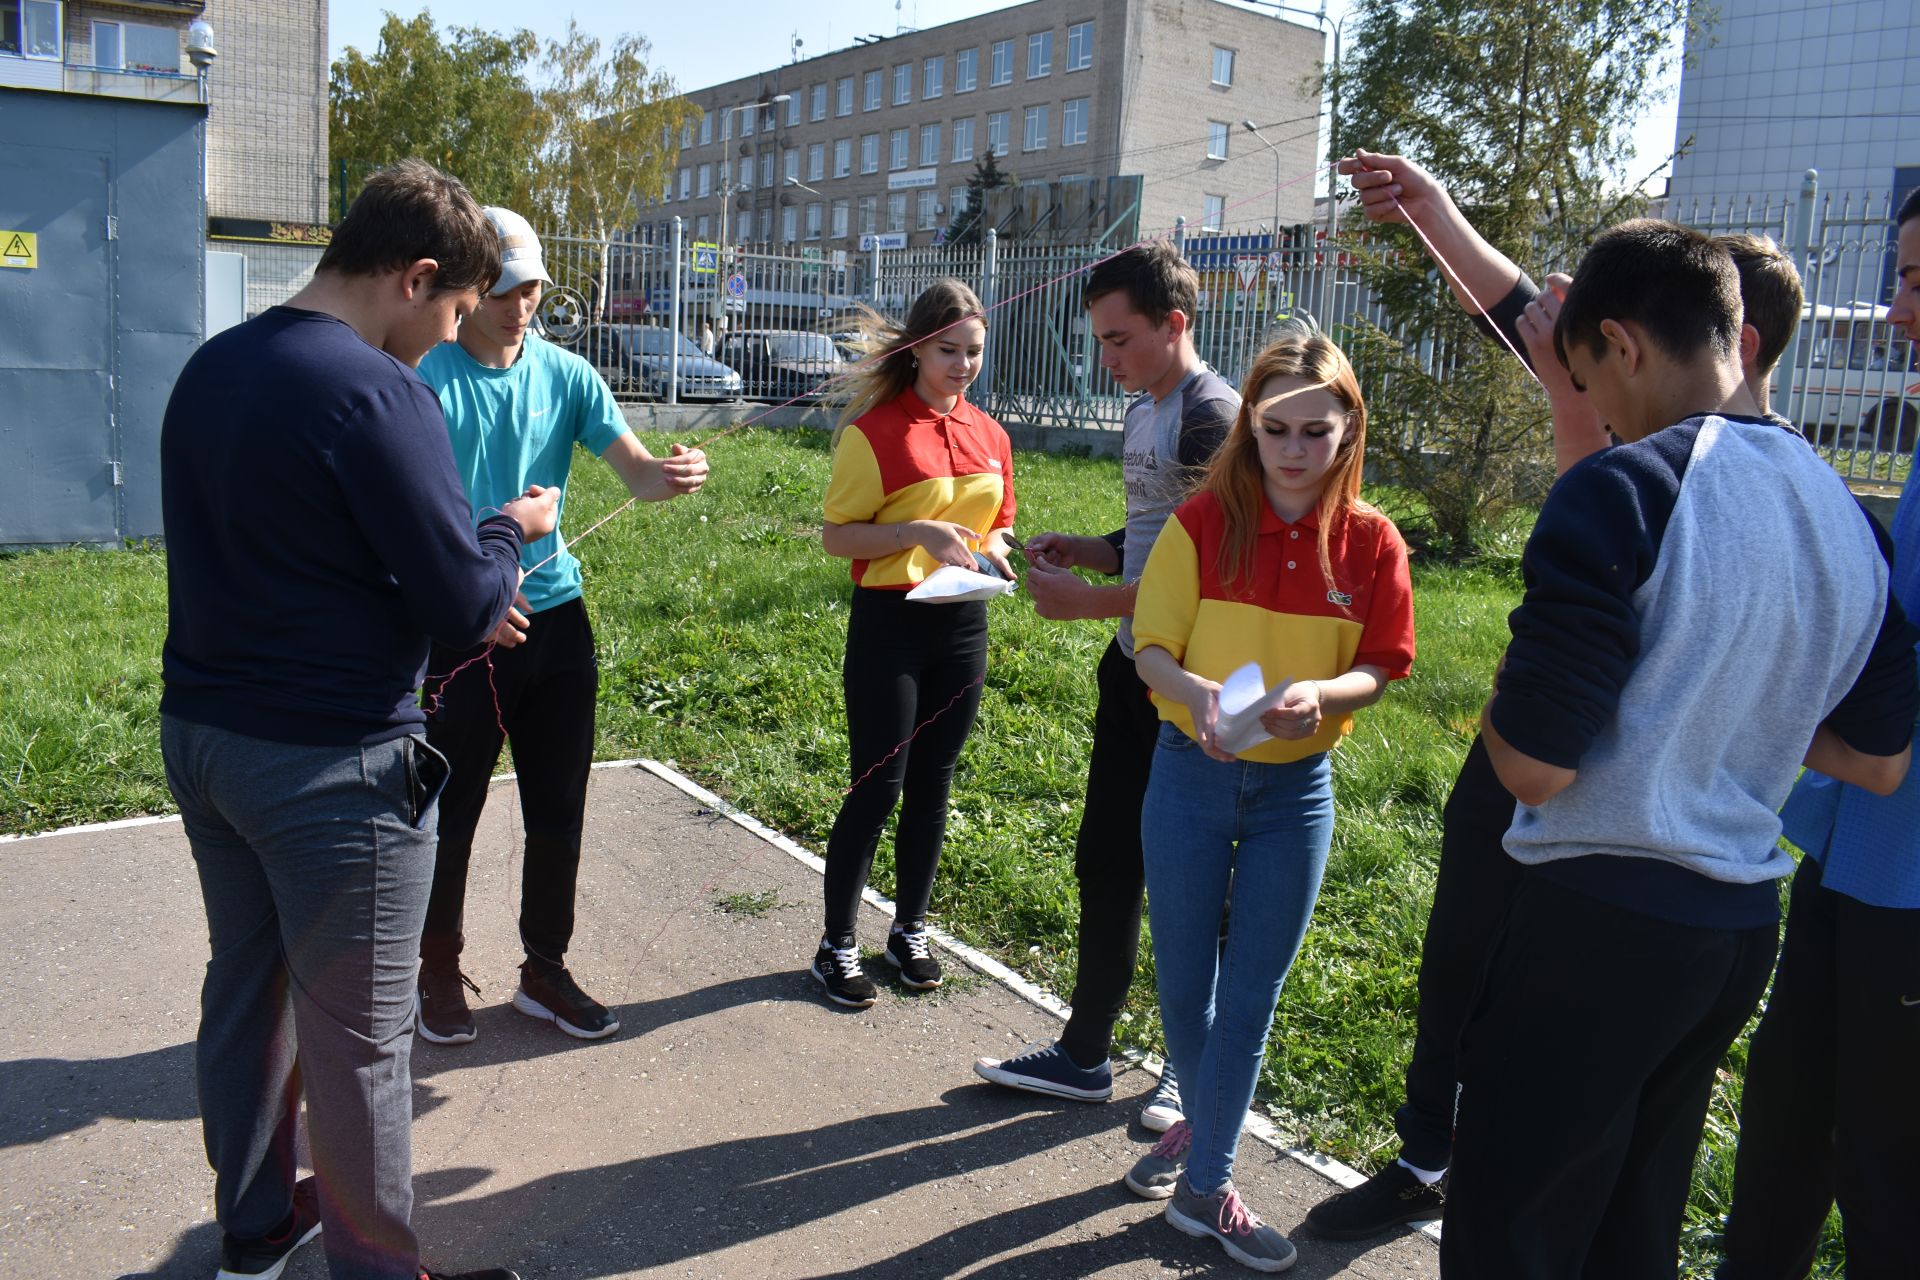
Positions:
(1248, 269)
(1276, 261)
(737, 285)
(839, 259)
(706, 258)
(19, 249)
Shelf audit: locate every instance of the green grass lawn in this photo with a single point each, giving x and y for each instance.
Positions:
(721, 626)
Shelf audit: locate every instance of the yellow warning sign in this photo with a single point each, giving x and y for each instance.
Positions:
(19, 249)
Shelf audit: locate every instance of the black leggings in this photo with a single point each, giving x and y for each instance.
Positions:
(906, 662)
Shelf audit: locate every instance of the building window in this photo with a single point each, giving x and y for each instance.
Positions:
(686, 184)
(31, 29)
(957, 198)
(706, 180)
(1222, 66)
(870, 153)
(813, 220)
(793, 110)
(869, 207)
(746, 171)
(897, 149)
(818, 110)
(963, 140)
(791, 164)
(843, 97)
(666, 191)
(842, 157)
(686, 133)
(897, 211)
(839, 219)
(726, 124)
(1079, 46)
(1035, 137)
(966, 70)
(997, 133)
(1216, 213)
(929, 145)
(875, 85)
(816, 161)
(1217, 133)
(790, 224)
(746, 122)
(130, 46)
(903, 84)
(1002, 63)
(1073, 122)
(1039, 54)
(932, 72)
(706, 129)
(703, 228)
(928, 211)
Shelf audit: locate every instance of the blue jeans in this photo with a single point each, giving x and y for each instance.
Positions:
(315, 864)
(1255, 833)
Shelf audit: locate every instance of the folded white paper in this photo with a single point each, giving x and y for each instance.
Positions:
(1244, 698)
(950, 584)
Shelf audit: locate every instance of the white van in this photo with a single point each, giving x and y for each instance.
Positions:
(1856, 383)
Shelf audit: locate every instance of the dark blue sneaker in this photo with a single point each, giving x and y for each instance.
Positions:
(266, 1257)
(1047, 1069)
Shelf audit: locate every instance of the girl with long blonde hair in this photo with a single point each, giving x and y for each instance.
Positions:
(1276, 562)
(921, 479)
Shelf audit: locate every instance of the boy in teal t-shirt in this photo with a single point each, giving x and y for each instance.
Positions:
(515, 406)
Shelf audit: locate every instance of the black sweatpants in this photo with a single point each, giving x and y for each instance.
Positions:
(1471, 889)
(1585, 1072)
(546, 688)
(1107, 861)
(906, 662)
(1831, 1107)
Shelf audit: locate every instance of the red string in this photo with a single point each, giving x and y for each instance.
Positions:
(968, 688)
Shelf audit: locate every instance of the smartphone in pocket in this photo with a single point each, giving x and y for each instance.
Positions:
(427, 772)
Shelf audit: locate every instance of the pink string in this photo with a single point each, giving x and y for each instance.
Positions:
(955, 701)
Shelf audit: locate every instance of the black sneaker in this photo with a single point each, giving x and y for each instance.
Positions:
(838, 970)
(440, 1012)
(486, 1273)
(553, 995)
(266, 1257)
(910, 951)
(1384, 1201)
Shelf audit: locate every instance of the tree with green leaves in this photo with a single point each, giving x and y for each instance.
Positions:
(1522, 108)
(459, 100)
(969, 226)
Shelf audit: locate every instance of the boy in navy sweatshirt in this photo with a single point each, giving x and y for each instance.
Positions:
(317, 538)
(1706, 607)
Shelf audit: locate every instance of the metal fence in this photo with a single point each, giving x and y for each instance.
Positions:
(779, 319)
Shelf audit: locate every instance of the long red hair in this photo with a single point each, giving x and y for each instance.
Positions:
(1235, 478)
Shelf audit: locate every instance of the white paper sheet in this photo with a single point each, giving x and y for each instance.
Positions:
(950, 584)
(1244, 698)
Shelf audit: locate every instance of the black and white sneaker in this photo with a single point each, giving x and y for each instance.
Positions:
(553, 996)
(440, 1012)
(485, 1273)
(838, 970)
(910, 950)
(266, 1257)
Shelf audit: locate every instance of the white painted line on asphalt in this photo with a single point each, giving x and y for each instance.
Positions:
(87, 828)
(1259, 1126)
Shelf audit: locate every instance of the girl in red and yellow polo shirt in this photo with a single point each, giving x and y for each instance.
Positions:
(921, 479)
(1277, 562)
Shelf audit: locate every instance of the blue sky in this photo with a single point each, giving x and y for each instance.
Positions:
(754, 34)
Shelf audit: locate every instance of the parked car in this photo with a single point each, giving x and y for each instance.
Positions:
(637, 359)
(782, 364)
(1858, 384)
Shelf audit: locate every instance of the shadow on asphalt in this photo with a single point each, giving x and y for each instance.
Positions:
(47, 1097)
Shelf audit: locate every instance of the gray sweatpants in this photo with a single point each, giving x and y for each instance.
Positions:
(315, 865)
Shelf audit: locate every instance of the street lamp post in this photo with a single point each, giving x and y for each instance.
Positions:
(1333, 27)
(1253, 129)
(728, 189)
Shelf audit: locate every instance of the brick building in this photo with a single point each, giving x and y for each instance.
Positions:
(882, 136)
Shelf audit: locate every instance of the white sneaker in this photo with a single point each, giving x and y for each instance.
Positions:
(1162, 1111)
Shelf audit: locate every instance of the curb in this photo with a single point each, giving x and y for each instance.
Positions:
(1258, 1126)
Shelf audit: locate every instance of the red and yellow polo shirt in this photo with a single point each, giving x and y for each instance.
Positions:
(902, 461)
(1287, 619)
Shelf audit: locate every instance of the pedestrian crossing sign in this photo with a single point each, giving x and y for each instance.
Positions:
(706, 258)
